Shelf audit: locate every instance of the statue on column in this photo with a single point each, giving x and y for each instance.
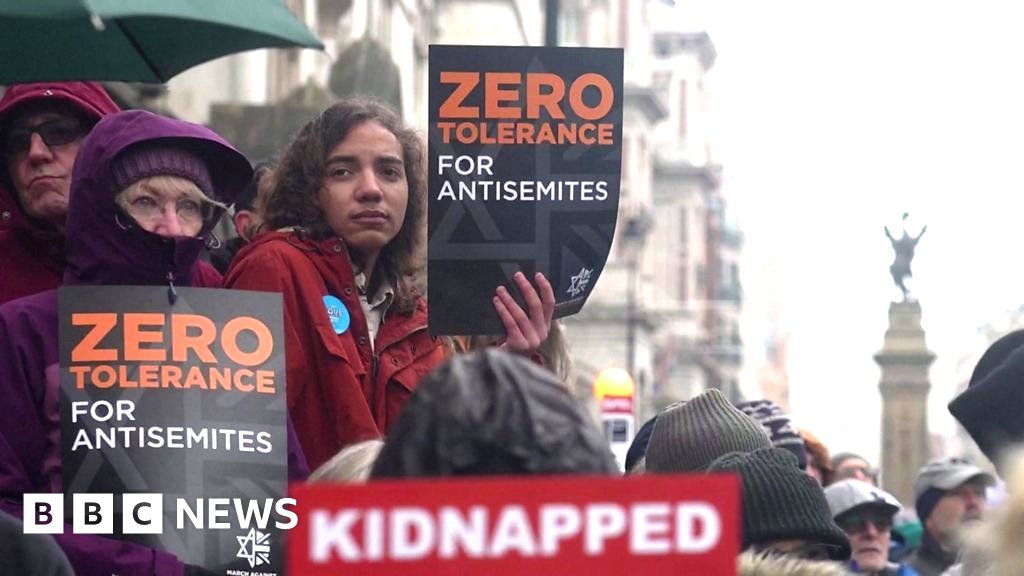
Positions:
(904, 249)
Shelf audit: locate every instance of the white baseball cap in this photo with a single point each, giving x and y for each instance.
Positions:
(947, 474)
(845, 495)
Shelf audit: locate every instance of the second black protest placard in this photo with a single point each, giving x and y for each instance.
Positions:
(525, 152)
(184, 403)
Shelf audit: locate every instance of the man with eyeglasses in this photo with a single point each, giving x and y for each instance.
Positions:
(949, 495)
(866, 513)
(849, 465)
(41, 127)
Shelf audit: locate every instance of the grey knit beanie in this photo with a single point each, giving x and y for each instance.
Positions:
(688, 436)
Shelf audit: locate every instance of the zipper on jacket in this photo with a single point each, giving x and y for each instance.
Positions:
(373, 367)
(172, 294)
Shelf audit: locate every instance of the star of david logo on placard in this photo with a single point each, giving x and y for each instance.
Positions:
(254, 547)
(579, 282)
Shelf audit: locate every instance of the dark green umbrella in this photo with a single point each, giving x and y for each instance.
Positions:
(135, 40)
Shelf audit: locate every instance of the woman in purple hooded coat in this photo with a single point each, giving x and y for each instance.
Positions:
(146, 193)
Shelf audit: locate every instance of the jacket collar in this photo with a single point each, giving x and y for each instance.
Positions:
(330, 257)
(931, 548)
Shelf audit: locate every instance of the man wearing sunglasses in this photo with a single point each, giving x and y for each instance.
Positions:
(865, 513)
(41, 127)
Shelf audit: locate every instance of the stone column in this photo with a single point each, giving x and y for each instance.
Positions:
(904, 361)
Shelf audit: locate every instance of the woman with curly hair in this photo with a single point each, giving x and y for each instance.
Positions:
(344, 240)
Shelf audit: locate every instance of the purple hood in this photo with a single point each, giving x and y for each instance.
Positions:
(100, 251)
(104, 248)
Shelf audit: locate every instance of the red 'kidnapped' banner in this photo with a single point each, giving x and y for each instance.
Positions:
(498, 527)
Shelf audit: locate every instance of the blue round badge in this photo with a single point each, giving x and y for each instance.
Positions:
(338, 314)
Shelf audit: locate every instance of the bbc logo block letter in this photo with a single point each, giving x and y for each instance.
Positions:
(43, 513)
(93, 513)
(142, 513)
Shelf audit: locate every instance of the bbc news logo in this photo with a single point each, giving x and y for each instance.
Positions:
(144, 513)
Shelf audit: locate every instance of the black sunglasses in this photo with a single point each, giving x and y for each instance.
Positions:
(56, 132)
(858, 522)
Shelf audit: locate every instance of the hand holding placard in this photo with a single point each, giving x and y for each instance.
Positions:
(524, 334)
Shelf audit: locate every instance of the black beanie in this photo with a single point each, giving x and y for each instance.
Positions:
(638, 448)
(688, 436)
(991, 406)
(926, 502)
(781, 502)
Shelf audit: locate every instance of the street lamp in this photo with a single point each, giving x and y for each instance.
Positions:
(634, 233)
(615, 393)
(552, 9)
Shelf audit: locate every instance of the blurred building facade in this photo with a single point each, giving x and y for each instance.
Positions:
(699, 344)
(667, 304)
(617, 326)
(371, 47)
(773, 373)
(767, 362)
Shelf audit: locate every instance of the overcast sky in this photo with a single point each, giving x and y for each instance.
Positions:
(831, 119)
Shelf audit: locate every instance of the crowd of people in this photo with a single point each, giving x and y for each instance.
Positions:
(92, 195)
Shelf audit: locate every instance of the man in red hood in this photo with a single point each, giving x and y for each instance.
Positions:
(41, 127)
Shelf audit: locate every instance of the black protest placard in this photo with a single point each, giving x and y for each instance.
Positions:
(524, 160)
(183, 400)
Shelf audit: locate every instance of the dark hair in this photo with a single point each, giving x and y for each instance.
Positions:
(246, 199)
(817, 456)
(300, 174)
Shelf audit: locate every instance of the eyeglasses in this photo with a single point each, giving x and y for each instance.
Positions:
(189, 210)
(807, 551)
(857, 523)
(56, 132)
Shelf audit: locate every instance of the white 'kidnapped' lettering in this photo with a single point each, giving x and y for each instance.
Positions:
(414, 533)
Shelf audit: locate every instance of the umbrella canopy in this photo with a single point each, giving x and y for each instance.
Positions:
(138, 40)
